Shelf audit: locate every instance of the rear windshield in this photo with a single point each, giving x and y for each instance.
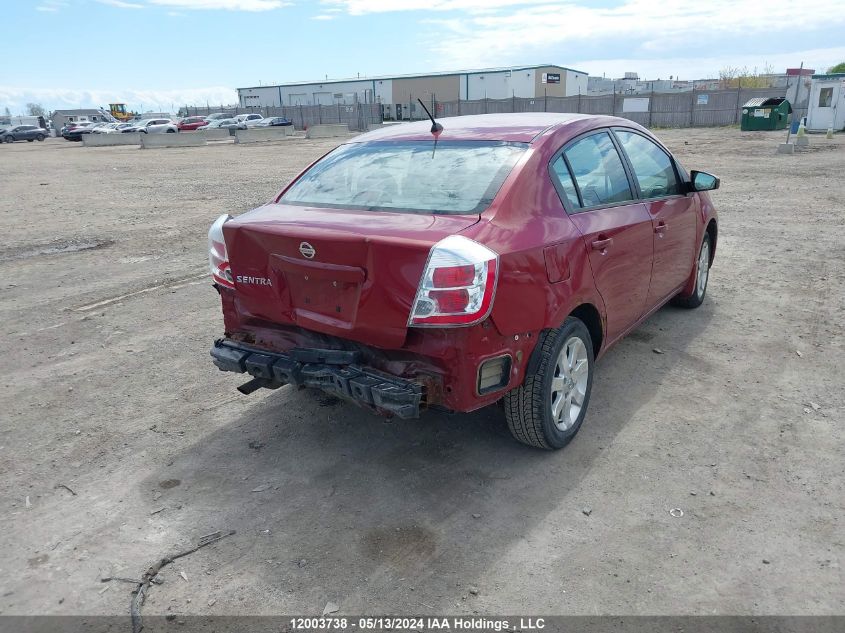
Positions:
(411, 176)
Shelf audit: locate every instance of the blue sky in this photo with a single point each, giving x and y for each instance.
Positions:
(154, 53)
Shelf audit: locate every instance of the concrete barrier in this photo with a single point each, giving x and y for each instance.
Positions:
(325, 131)
(110, 140)
(214, 134)
(256, 135)
(171, 140)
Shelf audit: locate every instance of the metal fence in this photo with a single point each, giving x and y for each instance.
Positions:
(358, 116)
(684, 109)
(695, 108)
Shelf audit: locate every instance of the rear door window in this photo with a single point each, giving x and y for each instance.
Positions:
(598, 171)
(652, 167)
(565, 183)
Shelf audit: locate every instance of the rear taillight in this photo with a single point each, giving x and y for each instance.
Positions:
(218, 258)
(458, 284)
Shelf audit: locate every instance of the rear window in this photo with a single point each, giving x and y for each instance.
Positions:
(411, 176)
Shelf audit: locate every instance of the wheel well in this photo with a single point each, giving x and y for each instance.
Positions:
(590, 316)
(713, 231)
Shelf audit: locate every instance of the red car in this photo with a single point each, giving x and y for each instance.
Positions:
(495, 258)
(191, 123)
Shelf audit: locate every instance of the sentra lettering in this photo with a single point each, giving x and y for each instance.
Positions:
(256, 281)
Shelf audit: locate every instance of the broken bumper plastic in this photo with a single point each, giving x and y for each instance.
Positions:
(333, 371)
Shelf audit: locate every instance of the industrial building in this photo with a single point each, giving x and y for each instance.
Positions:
(60, 118)
(398, 93)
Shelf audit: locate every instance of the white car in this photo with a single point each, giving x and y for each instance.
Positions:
(248, 120)
(153, 126)
(107, 128)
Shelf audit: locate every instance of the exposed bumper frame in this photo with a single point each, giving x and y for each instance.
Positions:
(334, 371)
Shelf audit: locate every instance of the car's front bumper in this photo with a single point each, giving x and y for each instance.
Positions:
(334, 371)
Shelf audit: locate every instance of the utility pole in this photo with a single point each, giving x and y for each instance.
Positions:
(797, 84)
(651, 104)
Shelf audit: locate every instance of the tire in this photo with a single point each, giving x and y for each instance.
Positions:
(39, 138)
(29, 140)
(171, 131)
(702, 275)
(530, 408)
(9, 139)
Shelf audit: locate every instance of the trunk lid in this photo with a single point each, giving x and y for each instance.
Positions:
(351, 274)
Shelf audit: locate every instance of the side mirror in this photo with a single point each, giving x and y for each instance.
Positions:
(702, 181)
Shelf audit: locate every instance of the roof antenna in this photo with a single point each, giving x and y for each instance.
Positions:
(436, 128)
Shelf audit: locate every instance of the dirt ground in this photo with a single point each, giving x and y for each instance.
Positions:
(120, 442)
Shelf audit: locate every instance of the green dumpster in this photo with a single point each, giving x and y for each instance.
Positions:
(765, 114)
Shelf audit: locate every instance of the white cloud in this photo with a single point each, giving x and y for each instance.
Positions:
(228, 5)
(51, 6)
(362, 7)
(16, 98)
(533, 32)
(120, 4)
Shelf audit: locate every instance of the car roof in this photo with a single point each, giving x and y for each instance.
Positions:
(520, 127)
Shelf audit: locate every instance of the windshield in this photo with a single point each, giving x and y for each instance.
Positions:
(457, 177)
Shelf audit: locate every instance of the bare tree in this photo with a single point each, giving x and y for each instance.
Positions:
(35, 109)
(733, 77)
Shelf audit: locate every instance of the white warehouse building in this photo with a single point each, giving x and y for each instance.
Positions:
(396, 92)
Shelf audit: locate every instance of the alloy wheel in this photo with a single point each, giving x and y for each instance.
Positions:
(569, 383)
(703, 269)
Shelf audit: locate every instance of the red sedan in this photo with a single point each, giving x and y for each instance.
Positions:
(459, 263)
(191, 123)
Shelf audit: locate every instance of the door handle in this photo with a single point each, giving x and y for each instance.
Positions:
(602, 244)
(661, 227)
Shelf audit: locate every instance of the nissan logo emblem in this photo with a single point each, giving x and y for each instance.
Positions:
(307, 250)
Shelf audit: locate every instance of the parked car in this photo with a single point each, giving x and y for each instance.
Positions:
(494, 259)
(248, 120)
(23, 133)
(217, 116)
(152, 126)
(75, 131)
(275, 121)
(105, 128)
(223, 123)
(191, 123)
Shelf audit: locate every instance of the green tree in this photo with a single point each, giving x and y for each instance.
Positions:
(839, 68)
(35, 109)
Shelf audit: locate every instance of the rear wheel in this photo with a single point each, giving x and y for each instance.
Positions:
(171, 131)
(39, 138)
(702, 275)
(9, 139)
(29, 140)
(547, 410)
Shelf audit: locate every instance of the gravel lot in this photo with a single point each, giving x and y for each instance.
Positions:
(120, 442)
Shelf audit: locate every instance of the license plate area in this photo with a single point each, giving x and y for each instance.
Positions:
(321, 291)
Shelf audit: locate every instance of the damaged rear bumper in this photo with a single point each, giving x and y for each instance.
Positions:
(337, 372)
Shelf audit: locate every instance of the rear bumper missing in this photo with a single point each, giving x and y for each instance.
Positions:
(334, 371)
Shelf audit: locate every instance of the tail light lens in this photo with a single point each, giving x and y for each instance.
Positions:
(218, 258)
(458, 284)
